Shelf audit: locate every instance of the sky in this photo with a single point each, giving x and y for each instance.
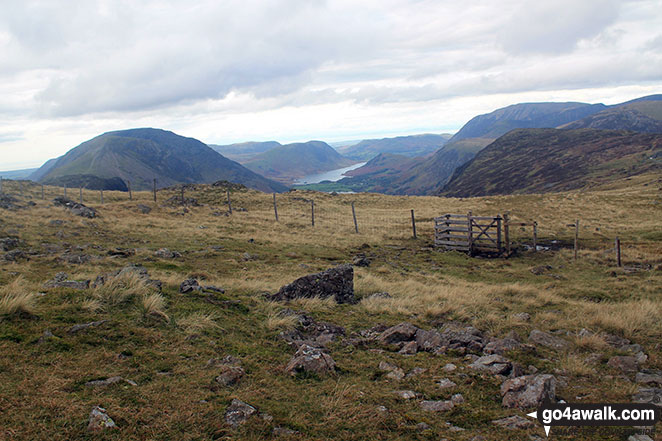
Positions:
(294, 70)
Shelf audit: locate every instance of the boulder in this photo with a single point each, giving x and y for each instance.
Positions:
(514, 422)
(310, 332)
(60, 281)
(404, 332)
(238, 413)
(189, 285)
(409, 348)
(625, 364)
(361, 260)
(445, 383)
(463, 338)
(99, 420)
(437, 406)
(165, 253)
(493, 364)
(311, 359)
(528, 391)
(428, 340)
(501, 345)
(229, 375)
(547, 340)
(336, 282)
(649, 376)
(75, 208)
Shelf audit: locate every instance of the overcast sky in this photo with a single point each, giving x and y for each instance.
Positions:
(293, 70)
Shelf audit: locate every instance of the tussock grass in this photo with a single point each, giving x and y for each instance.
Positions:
(198, 322)
(152, 305)
(632, 319)
(121, 289)
(92, 305)
(17, 299)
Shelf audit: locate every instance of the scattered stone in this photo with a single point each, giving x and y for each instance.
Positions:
(461, 338)
(15, 256)
(437, 406)
(404, 332)
(405, 394)
(60, 281)
(76, 328)
(428, 340)
(379, 295)
(522, 316)
(165, 253)
(230, 375)
(449, 367)
(514, 422)
(310, 332)
(108, 382)
(502, 345)
(361, 260)
(493, 364)
(393, 371)
(382, 409)
(228, 360)
(410, 348)
(649, 396)
(549, 341)
(415, 372)
(248, 257)
(528, 391)
(445, 383)
(47, 335)
(8, 243)
(8, 202)
(283, 431)
(640, 437)
(75, 258)
(649, 376)
(238, 413)
(422, 427)
(144, 209)
(337, 282)
(99, 420)
(189, 285)
(457, 399)
(311, 359)
(625, 364)
(122, 252)
(75, 208)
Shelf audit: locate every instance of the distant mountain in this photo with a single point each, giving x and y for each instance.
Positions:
(17, 174)
(549, 160)
(286, 163)
(525, 115)
(140, 155)
(641, 115)
(244, 151)
(414, 145)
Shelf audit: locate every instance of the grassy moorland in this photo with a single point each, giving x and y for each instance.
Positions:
(163, 341)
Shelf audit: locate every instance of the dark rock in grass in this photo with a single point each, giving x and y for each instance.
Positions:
(312, 360)
(189, 285)
(625, 364)
(8, 202)
(501, 346)
(75, 208)
(539, 270)
(99, 420)
(404, 332)
(493, 364)
(649, 376)
(61, 281)
(651, 395)
(379, 295)
(462, 338)
(336, 282)
(547, 340)
(361, 260)
(528, 391)
(144, 209)
(514, 422)
(15, 256)
(409, 348)
(165, 253)
(139, 270)
(121, 252)
(8, 243)
(77, 328)
(229, 375)
(75, 258)
(238, 413)
(310, 332)
(437, 406)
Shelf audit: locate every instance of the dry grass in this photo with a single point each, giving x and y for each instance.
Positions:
(197, 322)
(92, 305)
(121, 289)
(17, 299)
(632, 319)
(152, 305)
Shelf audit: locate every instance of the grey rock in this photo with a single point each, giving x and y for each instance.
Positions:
(514, 422)
(462, 338)
(640, 437)
(415, 372)
(8, 243)
(311, 359)
(99, 420)
(404, 332)
(437, 406)
(75, 208)
(422, 427)
(144, 209)
(522, 316)
(405, 394)
(457, 399)
(165, 253)
(445, 383)
(229, 375)
(651, 395)
(77, 328)
(649, 376)
(189, 285)
(108, 382)
(502, 345)
(283, 431)
(238, 413)
(361, 260)
(493, 364)
(449, 367)
(15, 256)
(409, 348)
(47, 335)
(60, 281)
(379, 295)
(336, 282)
(626, 364)
(428, 340)
(547, 340)
(528, 391)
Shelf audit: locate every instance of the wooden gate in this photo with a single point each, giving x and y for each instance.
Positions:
(469, 233)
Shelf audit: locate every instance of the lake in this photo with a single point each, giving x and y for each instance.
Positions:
(331, 175)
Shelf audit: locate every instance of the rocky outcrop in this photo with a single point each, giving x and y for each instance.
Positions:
(61, 281)
(336, 282)
(75, 208)
(99, 420)
(492, 364)
(238, 413)
(528, 391)
(547, 340)
(310, 332)
(311, 360)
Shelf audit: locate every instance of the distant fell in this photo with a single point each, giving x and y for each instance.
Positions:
(244, 151)
(141, 155)
(551, 160)
(286, 163)
(413, 145)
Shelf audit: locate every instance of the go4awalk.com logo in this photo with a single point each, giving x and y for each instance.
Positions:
(566, 414)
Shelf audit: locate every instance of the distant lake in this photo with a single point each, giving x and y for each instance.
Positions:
(331, 175)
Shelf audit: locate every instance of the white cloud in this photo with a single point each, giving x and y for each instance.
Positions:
(296, 69)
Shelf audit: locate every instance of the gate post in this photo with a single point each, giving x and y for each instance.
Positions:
(470, 232)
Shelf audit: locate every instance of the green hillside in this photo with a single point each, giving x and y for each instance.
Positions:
(141, 155)
(410, 146)
(288, 162)
(244, 151)
(550, 160)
